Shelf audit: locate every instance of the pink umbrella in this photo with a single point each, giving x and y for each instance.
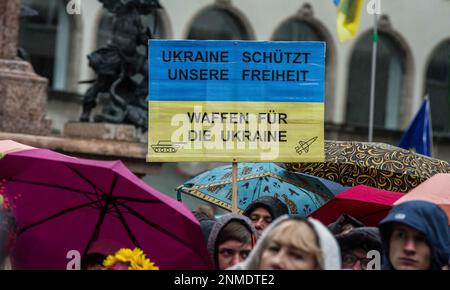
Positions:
(436, 189)
(367, 204)
(63, 203)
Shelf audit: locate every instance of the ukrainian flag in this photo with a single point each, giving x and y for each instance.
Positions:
(348, 18)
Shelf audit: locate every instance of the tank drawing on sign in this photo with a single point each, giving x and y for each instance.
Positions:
(166, 146)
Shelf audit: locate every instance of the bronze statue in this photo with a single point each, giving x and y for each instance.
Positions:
(121, 66)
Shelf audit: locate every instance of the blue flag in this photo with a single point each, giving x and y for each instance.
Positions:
(419, 136)
(336, 2)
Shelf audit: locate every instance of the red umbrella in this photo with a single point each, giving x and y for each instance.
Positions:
(367, 204)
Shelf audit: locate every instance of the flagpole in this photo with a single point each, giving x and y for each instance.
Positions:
(234, 193)
(373, 77)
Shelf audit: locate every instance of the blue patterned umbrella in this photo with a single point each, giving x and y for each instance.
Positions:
(300, 192)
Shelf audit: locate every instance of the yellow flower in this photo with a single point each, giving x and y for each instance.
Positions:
(135, 259)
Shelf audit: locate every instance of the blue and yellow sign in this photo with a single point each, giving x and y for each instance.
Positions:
(243, 101)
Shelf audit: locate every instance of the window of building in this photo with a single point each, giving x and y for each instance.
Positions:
(389, 83)
(297, 30)
(438, 87)
(46, 40)
(217, 23)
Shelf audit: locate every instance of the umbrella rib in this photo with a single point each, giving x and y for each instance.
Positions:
(53, 186)
(84, 178)
(85, 194)
(198, 194)
(61, 213)
(258, 186)
(228, 181)
(139, 216)
(96, 231)
(313, 200)
(127, 228)
(113, 184)
(133, 199)
(88, 197)
(308, 188)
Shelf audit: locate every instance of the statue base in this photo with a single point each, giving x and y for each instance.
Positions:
(104, 131)
(23, 99)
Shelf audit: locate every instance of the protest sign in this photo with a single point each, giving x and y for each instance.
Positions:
(240, 101)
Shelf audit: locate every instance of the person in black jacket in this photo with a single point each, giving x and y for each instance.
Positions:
(264, 210)
(415, 236)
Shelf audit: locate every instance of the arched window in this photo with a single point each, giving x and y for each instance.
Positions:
(217, 23)
(297, 29)
(46, 40)
(438, 87)
(157, 26)
(389, 83)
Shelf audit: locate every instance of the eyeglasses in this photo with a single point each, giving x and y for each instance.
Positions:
(348, 260)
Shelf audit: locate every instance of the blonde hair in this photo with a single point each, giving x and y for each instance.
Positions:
(299, 234)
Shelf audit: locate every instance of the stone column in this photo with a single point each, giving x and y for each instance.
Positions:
(9, 28)
(23, 94)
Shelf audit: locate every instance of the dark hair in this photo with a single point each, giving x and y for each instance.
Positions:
(234, 230)
(365, 238)
(273, 205)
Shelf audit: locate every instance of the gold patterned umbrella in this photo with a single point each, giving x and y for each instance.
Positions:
(373, 164)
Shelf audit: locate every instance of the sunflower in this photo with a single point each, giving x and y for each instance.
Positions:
(135, 259)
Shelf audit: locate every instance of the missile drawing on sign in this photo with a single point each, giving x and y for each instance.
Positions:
(303, 146)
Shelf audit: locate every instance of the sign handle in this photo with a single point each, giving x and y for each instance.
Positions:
(234, 198)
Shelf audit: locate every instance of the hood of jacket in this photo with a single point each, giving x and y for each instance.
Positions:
(217, 227)
(328, 245)
(425, 217)
(206, 226)
(275, 206)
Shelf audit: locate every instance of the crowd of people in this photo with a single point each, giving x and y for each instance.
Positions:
(413, 236)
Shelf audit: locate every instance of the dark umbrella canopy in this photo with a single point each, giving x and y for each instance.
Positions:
(373, 164)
